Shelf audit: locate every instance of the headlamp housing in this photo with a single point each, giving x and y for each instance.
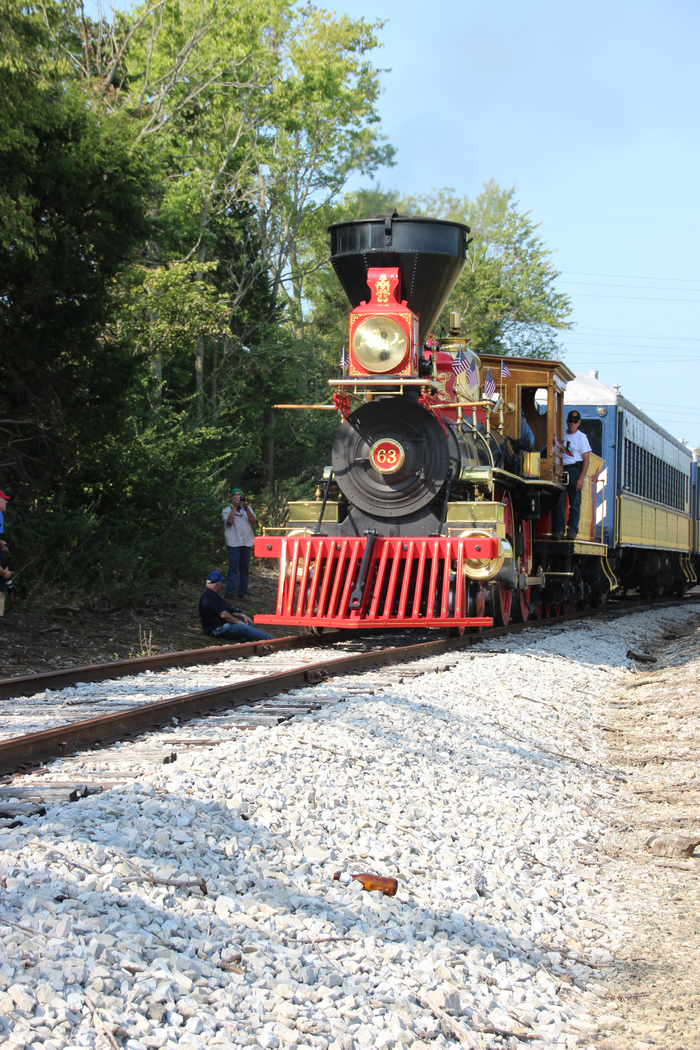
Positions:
(383, 331)
(379, 344)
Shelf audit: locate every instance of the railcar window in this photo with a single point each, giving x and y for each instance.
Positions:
(652, 478)
(593, 429)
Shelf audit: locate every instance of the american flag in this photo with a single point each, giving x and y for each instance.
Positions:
(505, 370)
(344, 360)
(471, 375)
(460, 363)
(489, 385)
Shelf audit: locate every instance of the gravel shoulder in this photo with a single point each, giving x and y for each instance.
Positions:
(653, 728)
(508, 796)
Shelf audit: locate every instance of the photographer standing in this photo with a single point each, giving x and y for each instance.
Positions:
(240, 539)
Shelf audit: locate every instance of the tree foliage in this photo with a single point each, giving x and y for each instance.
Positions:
(507, 292)
(72, 211)
(167, 175)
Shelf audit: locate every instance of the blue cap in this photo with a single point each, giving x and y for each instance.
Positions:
(214, 577)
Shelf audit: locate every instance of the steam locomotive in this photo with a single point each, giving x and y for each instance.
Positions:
(435, 510)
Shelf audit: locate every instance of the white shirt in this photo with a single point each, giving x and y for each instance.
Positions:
(240, 532)
(575, 445)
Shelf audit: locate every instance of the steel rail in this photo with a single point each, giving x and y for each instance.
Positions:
(20, 752)
(26, 685)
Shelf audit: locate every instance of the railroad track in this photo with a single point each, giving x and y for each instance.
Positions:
(85, 720)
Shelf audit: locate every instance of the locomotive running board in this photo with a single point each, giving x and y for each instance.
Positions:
(317, 576)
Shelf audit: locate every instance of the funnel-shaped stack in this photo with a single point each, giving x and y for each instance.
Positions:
(429, 253)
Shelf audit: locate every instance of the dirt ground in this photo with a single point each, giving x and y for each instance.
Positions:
(48, 634)
(652, 998)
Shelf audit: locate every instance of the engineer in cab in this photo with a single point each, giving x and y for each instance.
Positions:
(576, 455)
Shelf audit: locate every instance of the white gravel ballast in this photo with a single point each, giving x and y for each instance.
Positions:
(480, 789)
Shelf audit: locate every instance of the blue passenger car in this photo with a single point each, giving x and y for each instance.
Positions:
(647, 509)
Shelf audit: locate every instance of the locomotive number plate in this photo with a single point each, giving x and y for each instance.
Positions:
(387, 456)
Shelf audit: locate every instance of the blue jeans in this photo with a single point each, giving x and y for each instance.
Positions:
(240, 632)
(559, 516)
(238, 565)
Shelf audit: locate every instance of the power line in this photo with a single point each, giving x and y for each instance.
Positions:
(599, 234)
(634, 298)
(648, 351)
(638, 335)
(627, 276)
(628, 287)
(604, 222)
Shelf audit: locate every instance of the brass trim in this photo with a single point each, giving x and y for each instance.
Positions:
(530, 464)
(309, 510)
(457, 528)
(332, 408)
(588, 547)
(400, 458)
(381, 384)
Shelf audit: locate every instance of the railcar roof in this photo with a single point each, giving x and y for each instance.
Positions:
(585, 390)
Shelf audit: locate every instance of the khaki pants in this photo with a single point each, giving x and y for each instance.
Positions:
(2, 603)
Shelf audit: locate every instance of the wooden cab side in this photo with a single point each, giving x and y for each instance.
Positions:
(534, 390)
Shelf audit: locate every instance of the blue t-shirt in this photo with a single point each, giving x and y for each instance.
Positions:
(2, 524)
(211, 605)
(526, 431)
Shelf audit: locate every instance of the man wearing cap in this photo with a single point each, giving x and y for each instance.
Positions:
(5, 574)
(238, 528)
(577, 453)
(219, 620)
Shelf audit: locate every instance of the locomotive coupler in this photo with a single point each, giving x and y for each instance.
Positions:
(356, 596)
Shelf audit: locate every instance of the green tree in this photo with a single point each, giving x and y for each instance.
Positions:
(73, 210)
(251, 160)
(166, 176)
(507, 292)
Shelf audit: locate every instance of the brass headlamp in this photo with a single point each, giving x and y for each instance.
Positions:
(379, 344)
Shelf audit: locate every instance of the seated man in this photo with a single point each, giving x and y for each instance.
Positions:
(219, 620)
(526, 433)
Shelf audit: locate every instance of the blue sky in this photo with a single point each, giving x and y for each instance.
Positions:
(591, 111)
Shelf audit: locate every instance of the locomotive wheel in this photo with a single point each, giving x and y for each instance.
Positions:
(502, 596)
(502, 604)
(523, 610)
(480, 601)
(476, 599)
